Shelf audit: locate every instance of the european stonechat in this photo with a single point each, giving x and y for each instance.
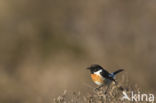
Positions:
(102, 77)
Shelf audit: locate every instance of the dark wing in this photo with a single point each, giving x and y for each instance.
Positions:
(105, 73)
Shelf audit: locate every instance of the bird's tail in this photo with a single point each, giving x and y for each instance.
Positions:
(118, 71)
(116, 83)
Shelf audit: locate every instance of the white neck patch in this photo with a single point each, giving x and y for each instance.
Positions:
(98, 72)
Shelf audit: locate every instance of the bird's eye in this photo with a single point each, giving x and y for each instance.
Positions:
(96, 69)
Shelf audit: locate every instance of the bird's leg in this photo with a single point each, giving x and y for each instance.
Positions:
(100, 86)
(107, 89)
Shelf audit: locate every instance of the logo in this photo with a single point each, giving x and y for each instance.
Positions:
(138, 97)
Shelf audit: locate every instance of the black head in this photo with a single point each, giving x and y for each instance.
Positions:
(94, 68)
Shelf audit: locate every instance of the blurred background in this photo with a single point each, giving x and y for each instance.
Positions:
(45, 46)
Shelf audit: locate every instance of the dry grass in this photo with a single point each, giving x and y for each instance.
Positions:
(114, 94)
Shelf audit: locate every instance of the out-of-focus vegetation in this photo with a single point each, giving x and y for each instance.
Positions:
(45, 46)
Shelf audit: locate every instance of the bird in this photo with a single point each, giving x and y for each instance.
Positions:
(102, 77)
